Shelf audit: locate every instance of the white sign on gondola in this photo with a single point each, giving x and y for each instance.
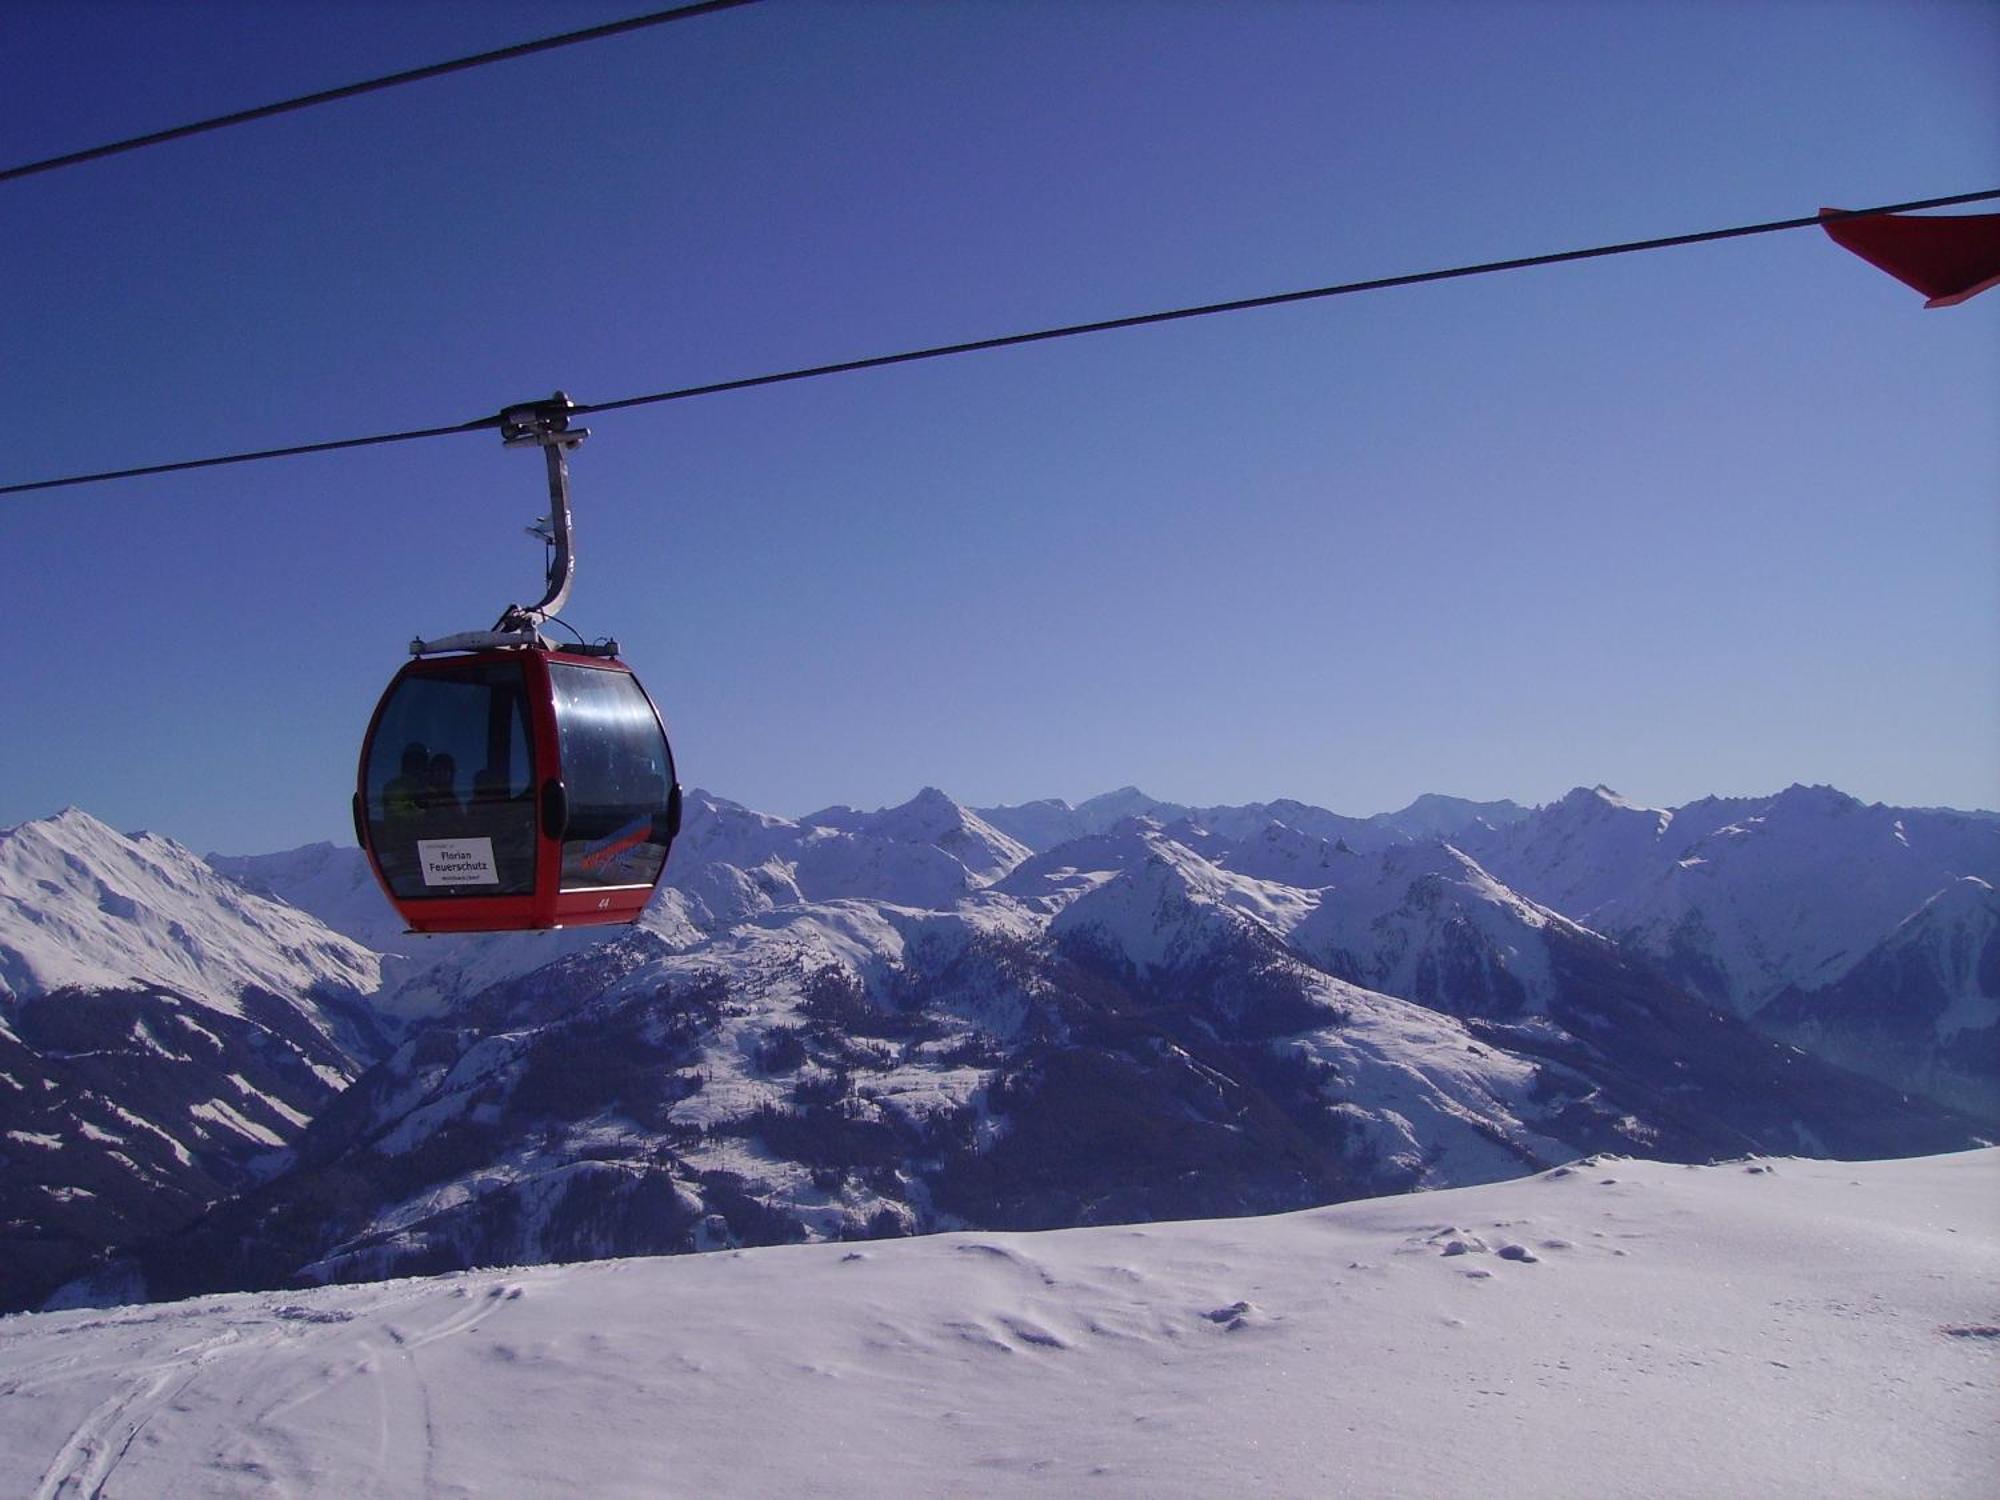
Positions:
(458, 861)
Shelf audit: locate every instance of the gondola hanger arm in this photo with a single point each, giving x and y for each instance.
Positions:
(546, 425)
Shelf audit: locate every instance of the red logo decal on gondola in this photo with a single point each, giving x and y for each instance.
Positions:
(600, 852)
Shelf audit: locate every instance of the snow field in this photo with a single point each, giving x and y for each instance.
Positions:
(1614, 1327)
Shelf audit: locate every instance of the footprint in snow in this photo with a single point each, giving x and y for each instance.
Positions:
(1031, 1333)
(1238, 1316)
(976, 1333)
(1455, 1241)
(1019, 1329)
(293, 1313)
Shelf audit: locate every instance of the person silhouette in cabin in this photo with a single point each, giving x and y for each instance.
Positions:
(440, 793)
(403, 797)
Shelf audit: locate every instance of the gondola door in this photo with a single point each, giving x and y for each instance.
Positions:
(447, 806)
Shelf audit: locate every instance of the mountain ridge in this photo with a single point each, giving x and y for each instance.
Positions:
(881, 1023)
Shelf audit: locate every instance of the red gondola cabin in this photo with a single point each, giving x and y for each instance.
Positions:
(516, 788)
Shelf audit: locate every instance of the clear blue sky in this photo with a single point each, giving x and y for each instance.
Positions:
(1711, 519)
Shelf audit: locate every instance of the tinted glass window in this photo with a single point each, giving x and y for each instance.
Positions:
(450, 785)
(618, 772)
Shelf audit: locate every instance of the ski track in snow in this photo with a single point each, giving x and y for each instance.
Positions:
(96, 1446)
(275, 1370)
(1613, 1327)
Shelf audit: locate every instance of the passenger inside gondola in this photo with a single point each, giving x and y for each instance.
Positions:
(403, 797)
(440, 795)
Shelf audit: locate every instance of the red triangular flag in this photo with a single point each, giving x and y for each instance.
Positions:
(1947, 259)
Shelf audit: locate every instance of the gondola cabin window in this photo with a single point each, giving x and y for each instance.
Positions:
(450, 785)
(618, 775)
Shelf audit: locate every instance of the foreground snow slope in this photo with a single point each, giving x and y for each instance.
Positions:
(1615, 1327)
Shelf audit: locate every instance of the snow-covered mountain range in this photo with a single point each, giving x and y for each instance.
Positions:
(936, 1017)
(1921, 1009)
(1740, 898)
(163, 1035)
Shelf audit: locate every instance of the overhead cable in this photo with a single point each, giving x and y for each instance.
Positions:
(1273, 299)
(372, 85)
(1004, 341)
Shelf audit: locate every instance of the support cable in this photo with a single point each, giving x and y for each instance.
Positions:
(1275, 299)
(1005, 341)
(371, 85)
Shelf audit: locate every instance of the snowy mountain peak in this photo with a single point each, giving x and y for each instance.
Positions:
(715, 828)
(699, 797)
(84, 906)
(1173, 905)
(1427, 921)
(1818, 798)
(1434, 815)
(71, 829)
(1602, 799)
(1037, 825)
(931, 817)
(924, 853)
(314, 855)
(1276, 852)
(71, 816)
(1126, 802)
(1057, 875)
(1921, 1009)
(1597, 812)
(1440, 863)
